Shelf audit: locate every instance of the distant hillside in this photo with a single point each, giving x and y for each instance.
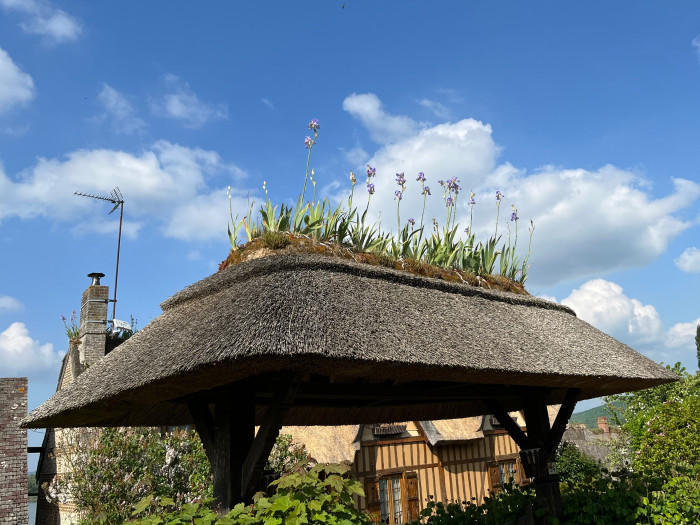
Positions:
(590, 417)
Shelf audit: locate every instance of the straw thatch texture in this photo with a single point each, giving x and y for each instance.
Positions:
(445, 431)
(353, 323)
(327, 444)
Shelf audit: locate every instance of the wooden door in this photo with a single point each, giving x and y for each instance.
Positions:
(372, 498)
(412, 501)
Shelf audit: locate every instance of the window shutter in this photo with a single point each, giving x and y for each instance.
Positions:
(494, 477)
(372, 499)
(412, 501)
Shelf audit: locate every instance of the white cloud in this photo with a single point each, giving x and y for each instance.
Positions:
(267, 102)
(16, 86)
(689, 261)
(181, 103)
(438, 109)
(625, 225)
(604, 305)
(696, 44)
(355, 156)
(382, 127)
(164, 184)
(130, 229)
(41, 18)
(22, 355)
(204, 216)
(119, 112)
(591, 222)
(9, 304)
(682, 334)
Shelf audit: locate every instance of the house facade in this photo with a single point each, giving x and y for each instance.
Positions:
(402, 466)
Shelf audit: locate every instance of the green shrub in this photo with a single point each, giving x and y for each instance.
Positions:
(601, 500)
(678, 502)
(323, 495)
(574, 466)
(503, 508)
(110, 469)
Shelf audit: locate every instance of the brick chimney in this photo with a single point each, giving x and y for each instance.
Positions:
(93, 321)
(603, 425)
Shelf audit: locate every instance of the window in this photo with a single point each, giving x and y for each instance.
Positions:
(393, 500)
(506, 472)
(503, 472)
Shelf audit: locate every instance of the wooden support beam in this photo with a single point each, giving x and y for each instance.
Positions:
(559, 425)
(226, 435)
(547, 494)
(513, 429)
(261, 446)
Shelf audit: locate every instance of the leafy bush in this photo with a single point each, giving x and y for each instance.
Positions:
(574, 466)
(110, 469)
(503, 508)
(287, 456)
(601, 500)
(678, 502)
(660, 436)
(323, 495)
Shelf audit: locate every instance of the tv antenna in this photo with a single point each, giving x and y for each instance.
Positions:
(116, 198)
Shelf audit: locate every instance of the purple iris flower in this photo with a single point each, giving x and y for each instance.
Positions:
(499, 196)
(412, 222)
(309, 142)
(370, 188)
(314, 125)
(426, 190)
(449, 202)
(441, 183)
(371, 172)
(514, 216)
(420, 177)
(398, 194)
(453, 184)
(400, 179)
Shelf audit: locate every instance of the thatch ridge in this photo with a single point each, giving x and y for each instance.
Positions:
(280, 263)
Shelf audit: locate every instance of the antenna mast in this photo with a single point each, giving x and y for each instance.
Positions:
(116, 198)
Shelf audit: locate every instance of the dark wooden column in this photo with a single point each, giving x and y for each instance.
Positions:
(227, 435)
(225, 422)
(538, 446)
(538, 456)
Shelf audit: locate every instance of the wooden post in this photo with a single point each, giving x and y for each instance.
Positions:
(260, 448)
(227, 435)
(547, 492)
(236, 454)
(537, 448)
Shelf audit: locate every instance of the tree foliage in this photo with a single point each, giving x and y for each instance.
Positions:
(574, 466)
(110, 469)
(323, 495)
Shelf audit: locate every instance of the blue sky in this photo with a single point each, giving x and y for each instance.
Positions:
(585, 116)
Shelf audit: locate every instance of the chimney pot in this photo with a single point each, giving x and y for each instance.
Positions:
(95, 276)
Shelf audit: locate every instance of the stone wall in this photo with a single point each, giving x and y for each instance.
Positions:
(14, 505)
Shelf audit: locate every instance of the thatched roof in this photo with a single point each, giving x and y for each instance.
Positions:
(349, 329)
(327, 444)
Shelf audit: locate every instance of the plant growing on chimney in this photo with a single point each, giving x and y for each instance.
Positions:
(72, 327)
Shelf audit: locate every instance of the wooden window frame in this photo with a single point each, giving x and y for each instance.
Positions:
(407, 513)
